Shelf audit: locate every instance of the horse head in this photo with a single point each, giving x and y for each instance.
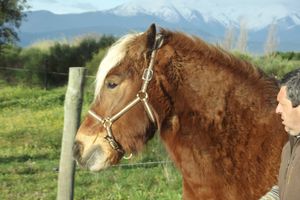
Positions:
(122, 117)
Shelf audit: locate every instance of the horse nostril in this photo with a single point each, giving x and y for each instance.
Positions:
(77, 150)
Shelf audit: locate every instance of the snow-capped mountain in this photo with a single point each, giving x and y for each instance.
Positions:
(160, 9)
(255, 16)
(206, 19)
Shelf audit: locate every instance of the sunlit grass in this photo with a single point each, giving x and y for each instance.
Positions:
(31, 124)
(45, 44)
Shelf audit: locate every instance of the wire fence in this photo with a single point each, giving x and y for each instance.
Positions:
(40, 71)
(142, 164)
(33, 77)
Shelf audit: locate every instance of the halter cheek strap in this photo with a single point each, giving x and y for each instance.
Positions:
(142, 96)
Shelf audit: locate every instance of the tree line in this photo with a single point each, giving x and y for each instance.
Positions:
(37, 66)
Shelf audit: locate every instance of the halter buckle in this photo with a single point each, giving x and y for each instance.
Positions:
(148, 74)
(107, 123)
(112, 143)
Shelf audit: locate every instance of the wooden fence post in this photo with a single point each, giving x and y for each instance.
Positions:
(72, 112)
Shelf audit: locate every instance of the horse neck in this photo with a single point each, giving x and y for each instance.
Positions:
(199, 92)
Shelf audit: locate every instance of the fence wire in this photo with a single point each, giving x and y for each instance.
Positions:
(41, 71)
(143, 164)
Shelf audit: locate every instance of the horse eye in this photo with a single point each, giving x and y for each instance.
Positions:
(111, 85)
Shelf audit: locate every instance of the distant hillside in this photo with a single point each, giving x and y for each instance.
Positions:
(41, 25)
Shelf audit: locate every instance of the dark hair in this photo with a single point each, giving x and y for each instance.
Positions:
(292, 82)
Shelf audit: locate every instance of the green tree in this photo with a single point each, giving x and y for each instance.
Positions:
(11, 15)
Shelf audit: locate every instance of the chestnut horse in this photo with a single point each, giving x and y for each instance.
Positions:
(215, 114)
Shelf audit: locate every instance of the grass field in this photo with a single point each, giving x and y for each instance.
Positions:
(31, 124)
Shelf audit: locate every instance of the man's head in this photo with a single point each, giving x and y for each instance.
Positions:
(289, 102)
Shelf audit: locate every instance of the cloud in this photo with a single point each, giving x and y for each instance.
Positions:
(50, 1)
(84, 6)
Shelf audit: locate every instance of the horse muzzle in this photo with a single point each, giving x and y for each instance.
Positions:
(93, 159)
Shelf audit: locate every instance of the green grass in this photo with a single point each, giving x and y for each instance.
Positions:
(31, 124)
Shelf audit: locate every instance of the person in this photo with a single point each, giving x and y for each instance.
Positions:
(288, 107)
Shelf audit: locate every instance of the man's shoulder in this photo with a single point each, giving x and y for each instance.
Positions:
(286, 148)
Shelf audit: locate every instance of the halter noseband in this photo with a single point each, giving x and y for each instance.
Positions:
(141, 96)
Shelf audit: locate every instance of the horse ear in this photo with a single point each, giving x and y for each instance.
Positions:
(150, 35)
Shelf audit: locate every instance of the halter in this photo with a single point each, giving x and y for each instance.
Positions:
(141, 96)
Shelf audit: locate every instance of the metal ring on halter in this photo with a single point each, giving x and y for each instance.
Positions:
(128, 157)
(107, 123)
(142, 95)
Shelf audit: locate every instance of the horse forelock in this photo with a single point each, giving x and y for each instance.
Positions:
(113, 57)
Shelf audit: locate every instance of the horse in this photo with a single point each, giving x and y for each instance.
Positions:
(214, 112)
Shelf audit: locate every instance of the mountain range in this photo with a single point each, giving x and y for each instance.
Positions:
(208, 21)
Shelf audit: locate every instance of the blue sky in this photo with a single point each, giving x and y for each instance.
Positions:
(73, 6)
(79, 6)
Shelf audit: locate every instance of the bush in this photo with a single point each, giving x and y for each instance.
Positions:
(57, 63)
(63, 56)
(106, 41)
(275, 66)
(244, 56)
(85, 50)
(93, 64)
(33, 63)
(9, 58)
(290, 55)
